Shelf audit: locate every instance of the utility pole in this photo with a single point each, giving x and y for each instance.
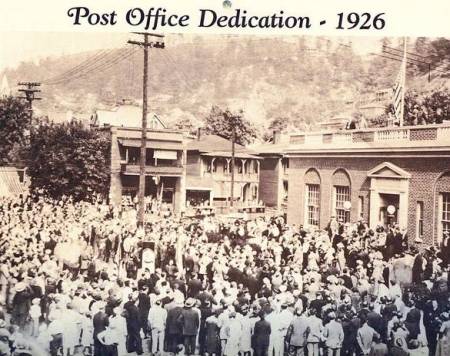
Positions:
(232, 120)
(29, 90)
(402, 107)
(233, 139)
(146, 44)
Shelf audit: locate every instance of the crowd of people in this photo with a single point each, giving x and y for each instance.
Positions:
(81, 278)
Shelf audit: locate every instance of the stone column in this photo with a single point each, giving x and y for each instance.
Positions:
(374, 207)
(403, 210)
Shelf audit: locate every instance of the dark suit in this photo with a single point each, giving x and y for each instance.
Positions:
(262, 337)
(190, 322)
(377, 322)
(100, 322)
(194, 287)
(144, 307)
(412, 322)
(134, 341)
(173, 329)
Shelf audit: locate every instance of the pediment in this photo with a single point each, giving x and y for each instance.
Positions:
(388, 170)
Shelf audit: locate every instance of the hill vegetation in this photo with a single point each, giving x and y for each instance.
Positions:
(299, 79)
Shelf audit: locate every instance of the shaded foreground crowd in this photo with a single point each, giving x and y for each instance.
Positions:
(80, 278)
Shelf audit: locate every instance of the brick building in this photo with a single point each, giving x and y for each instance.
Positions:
(274, 179)
(208, 172)
(179, 167)
(380, 175)
(165, 157)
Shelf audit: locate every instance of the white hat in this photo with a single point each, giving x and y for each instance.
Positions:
(20, 286)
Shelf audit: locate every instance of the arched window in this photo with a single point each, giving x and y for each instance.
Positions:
(341, 195)
(312, 198)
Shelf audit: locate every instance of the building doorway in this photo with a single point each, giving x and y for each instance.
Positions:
(389, 207)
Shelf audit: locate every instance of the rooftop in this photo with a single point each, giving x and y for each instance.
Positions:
(213, 143)
(127, 116)
(388, 139)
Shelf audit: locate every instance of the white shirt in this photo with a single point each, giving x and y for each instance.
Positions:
(157, 317)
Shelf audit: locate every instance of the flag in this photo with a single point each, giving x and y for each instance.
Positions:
(398, 94)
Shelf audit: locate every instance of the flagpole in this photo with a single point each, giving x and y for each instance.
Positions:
(403, 71)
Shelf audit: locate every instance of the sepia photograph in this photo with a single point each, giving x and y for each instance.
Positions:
(224, 195)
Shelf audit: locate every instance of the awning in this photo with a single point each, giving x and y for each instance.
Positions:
(164, 145)
(10, 184)
(164, 154)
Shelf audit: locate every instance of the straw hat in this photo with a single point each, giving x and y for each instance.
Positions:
(21, 286)
(189, 303)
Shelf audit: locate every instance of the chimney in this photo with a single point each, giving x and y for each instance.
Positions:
(199, 133)
(276, 137)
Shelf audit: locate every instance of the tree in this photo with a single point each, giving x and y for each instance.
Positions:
(280, 123)
(14, 125)
(421, 108)
(438, 106)
(69, 159)
(220, 122)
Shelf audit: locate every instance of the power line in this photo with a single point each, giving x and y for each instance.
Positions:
(90, 68)
(409, 58)
(87, 62)
(400, 51)
(93, 63)
(101, 67)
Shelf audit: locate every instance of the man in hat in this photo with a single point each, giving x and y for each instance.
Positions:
(173, 328)
(205, 312)
(21, 304)
(100, 321)
(134, 343)
(189, 319)
(314, 336)
(334, 335)
(299, 331)
(144, 307)
(261, 334)
(157, 317)
(418, 268)
(365, 337)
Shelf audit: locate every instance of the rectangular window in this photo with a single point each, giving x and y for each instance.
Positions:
(342, 194)
(445, 212)
(419, 219)
(313, 204)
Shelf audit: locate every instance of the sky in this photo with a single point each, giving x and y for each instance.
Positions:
(16, 47)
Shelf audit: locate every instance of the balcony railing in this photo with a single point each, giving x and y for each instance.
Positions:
(436, 134)
(133, 169)
(237, 176)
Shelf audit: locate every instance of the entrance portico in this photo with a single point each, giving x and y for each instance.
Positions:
(389, 189)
